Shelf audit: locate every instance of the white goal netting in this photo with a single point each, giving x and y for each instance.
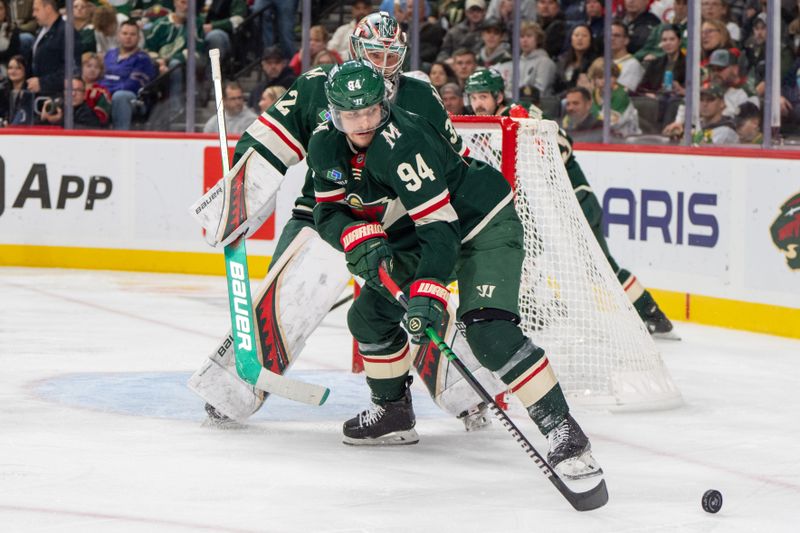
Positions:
(571, 301)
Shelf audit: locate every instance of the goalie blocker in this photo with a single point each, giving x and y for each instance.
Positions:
(214, 207)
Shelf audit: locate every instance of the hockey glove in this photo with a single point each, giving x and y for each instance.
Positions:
(365, 247)
(425, 307)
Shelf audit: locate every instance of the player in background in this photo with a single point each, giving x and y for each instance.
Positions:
(281, 136)
(444, 216)
(485, 91)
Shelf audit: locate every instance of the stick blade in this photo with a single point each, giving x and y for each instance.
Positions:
(298, 391)
(589, 500)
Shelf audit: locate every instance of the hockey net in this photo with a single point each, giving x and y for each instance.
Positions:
(570, 299)
(571, 302)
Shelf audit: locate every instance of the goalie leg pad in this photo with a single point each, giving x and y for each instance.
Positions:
(447, 387)
(221, 387)
(299, 290)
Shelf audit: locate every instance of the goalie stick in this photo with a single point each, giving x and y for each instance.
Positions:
(581, 501)
(248, 366)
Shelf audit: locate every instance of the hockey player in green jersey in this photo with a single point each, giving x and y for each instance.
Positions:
(390, 190)
(485, 89)
(281, 136)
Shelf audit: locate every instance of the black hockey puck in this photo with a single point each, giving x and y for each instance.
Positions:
(712, 501)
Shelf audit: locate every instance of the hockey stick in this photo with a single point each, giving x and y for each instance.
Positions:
(341, 302)
(581, 501)
(241, 302)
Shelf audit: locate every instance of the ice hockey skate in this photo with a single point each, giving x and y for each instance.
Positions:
(476, 418)
(570, 452)
(387, 424)
(658, 324)
(217, 420)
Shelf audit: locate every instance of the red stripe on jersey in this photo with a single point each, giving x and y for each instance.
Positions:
(383, 360)
(283, 137)
(533, 374)
(438, 205)
(335, 198)
(630, 283)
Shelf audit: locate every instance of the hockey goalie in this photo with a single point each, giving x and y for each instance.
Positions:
(298, 292)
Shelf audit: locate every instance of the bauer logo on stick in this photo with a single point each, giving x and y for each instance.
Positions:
(242, 310)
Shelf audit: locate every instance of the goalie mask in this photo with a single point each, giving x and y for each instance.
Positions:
(379, 40)
(356, 97)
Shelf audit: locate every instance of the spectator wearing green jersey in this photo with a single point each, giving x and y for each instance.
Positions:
(221, 20)
(82, 11)
(166, 42)
(624, 116)
(652, 47)
(640, 23)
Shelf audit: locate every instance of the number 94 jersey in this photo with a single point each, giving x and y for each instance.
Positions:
(410, 180)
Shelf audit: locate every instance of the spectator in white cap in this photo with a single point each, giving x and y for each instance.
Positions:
(465, 34)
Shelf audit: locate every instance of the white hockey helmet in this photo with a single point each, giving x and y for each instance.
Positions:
(379, 40)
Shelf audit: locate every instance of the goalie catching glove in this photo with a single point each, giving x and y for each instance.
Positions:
(365, 248)
(425, 307)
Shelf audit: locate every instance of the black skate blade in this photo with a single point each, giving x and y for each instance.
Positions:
(396, 438)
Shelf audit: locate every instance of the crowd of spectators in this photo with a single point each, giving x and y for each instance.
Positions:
(122, 46)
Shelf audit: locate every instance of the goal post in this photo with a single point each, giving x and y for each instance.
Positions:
(571, 302)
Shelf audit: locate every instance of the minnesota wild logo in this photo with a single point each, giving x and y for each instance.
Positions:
(372, 211)
(785, 231)
(387, 28)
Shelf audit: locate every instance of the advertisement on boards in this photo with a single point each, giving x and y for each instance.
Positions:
(672, 220)
(719, 226)
(115, 192)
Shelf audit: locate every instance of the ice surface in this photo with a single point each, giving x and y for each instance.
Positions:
(99, 433)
